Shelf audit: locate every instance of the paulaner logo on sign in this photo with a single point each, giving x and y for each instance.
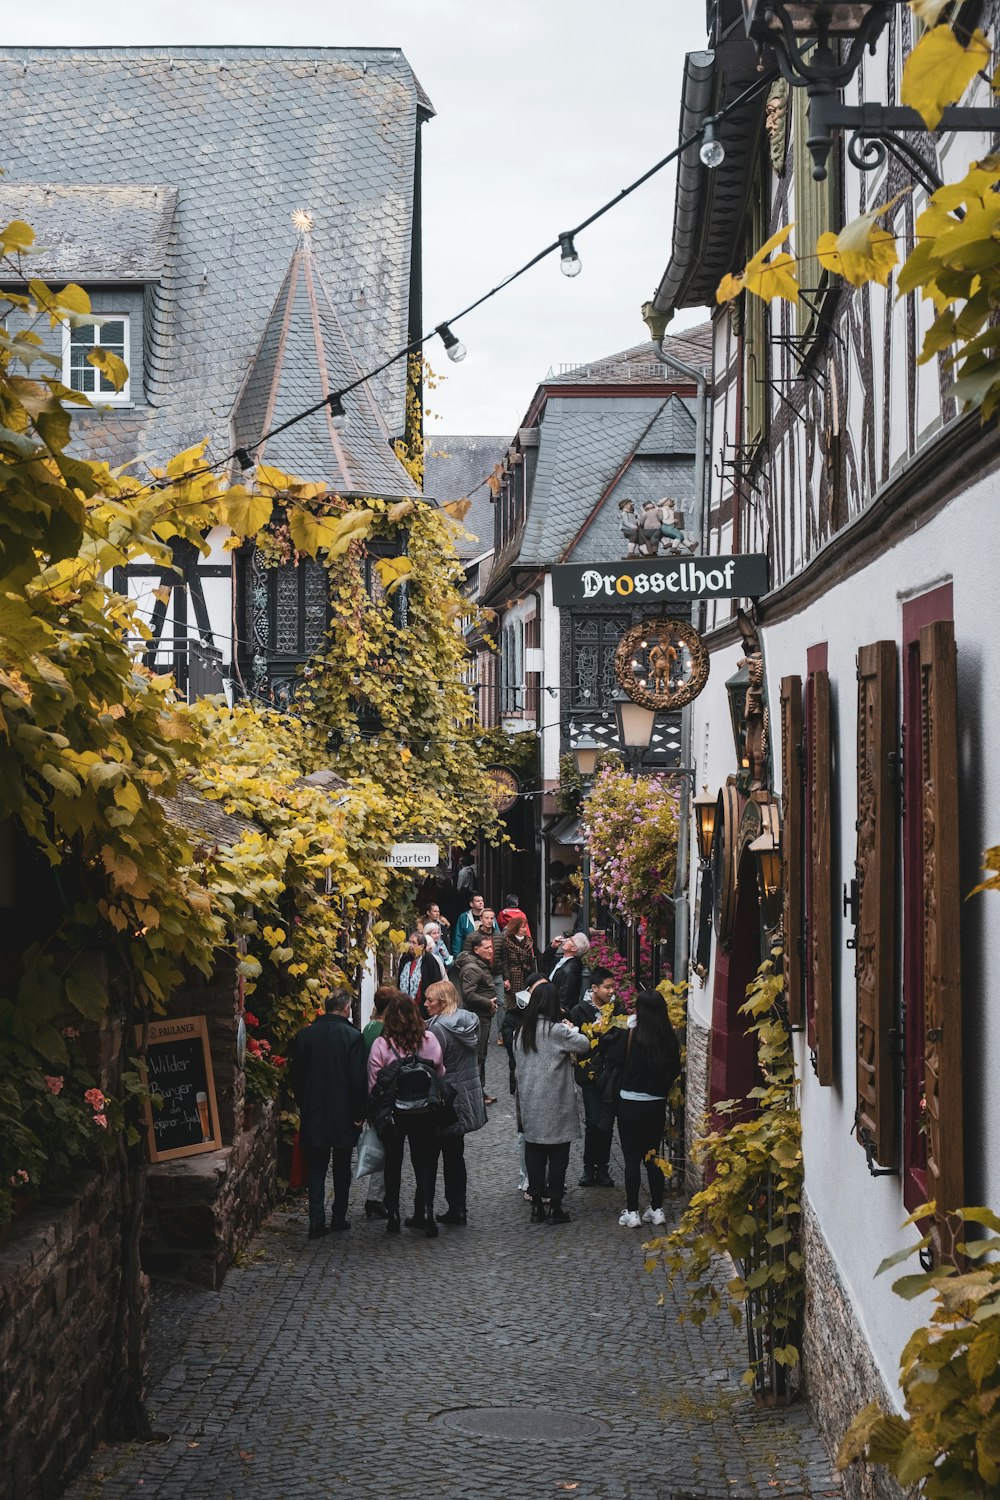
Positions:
(656, 579)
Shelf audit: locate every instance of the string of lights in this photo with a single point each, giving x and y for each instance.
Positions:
(712, 155)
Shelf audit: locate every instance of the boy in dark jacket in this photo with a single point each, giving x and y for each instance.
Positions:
(596, 1141)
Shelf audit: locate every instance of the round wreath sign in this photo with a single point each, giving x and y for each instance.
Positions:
(662, 663)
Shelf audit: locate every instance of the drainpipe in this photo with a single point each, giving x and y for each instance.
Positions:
(682, 904)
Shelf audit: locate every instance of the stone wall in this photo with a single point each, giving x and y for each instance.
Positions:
(840, 1374)
(202, 1210)
(697, 1094)
(58, 1288)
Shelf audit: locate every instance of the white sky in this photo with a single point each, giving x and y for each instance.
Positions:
(545, 109)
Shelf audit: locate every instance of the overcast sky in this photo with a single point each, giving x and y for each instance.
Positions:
(545, 109)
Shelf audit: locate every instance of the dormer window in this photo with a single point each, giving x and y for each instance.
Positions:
(112, 334)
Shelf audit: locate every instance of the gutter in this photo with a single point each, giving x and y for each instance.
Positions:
(697, 96)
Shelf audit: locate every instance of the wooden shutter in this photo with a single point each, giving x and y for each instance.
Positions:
(791, 842)
(942, 916)
(820, 917)
(875, 966)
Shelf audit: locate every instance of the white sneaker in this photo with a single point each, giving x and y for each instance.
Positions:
(654, 1216)
(522, 1182)
(629, 1219)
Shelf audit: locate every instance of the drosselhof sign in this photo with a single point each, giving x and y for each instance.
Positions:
(659, 579)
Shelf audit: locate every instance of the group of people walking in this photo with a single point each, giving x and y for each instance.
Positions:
(433, 1030)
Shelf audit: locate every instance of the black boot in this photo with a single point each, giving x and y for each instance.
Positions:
(375, 1209)
(391, 1222)
(589, 1178)
(430, 1228)
(558, 1215)
(453, 1217)
(537, 1211)
(604, 1177)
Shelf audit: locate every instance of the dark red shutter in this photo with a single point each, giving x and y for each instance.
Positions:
(791, 842)
(875, 966)
(820, 914)
(942, 916)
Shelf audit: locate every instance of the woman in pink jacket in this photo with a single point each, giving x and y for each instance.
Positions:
(404, 1034)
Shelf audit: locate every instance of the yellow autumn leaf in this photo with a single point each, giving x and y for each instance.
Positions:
(110, 366)
(244, 512)
(16, 236)
(729, 287)
(304, 531)
(399, 510)
(939, 70)
(73, 299)
(335, 536)
(765, 278)
(123, 871)
(928, 11)
(273, 478)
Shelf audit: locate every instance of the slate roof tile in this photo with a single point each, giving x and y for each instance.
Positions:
(119, 233)
(456, 467)
(247, 136)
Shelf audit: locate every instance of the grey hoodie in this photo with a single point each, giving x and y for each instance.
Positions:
(458, 1034)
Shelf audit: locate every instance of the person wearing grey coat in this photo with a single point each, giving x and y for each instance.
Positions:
(546, 1091)
(458, 1033)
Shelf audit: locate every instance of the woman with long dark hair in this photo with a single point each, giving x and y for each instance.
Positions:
(543, 1049)
(405, 1035)
(647, 1057)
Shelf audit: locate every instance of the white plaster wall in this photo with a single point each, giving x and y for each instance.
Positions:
(860, 1215)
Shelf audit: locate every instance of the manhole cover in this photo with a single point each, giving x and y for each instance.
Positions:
(511, 1423)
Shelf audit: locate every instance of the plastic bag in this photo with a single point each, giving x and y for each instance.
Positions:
(371, 1153)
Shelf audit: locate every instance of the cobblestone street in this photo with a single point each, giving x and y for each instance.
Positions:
(504, 1360)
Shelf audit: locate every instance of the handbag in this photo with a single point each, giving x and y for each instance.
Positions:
(371, 1153)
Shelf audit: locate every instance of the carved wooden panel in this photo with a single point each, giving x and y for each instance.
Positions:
(875, 865)
(820, 915)
(942, 916)
(791, 843)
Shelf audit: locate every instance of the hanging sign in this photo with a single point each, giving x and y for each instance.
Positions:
(178, 1067)
(413, 857)
(504, 787)
(653, 580)
(662, 664)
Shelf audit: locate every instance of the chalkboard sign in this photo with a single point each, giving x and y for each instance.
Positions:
(179, 1068)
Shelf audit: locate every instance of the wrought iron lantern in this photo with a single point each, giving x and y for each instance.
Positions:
(585, 753)
(736, 690)
(818, 45)
(706, 806)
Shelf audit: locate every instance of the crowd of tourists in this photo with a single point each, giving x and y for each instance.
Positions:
(414, 1080)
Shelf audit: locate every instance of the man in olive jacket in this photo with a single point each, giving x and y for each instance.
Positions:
(329, 1080)
(474, 975)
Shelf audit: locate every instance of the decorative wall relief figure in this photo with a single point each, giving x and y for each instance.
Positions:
(631, 528)
(776, 124)
(675, 541)
(754, 704)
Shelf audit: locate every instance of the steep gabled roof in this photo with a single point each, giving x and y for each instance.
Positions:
(248, 135)
(303, 355)
(458, 467)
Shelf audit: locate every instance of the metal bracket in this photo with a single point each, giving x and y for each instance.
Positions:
(880, 124)
(851, 900)
(867, 1141)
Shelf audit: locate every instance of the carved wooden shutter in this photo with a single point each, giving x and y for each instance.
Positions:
(791, 842)
(820, 917)
(942, 916)
(876, 911)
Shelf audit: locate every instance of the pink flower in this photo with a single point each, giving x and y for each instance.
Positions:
(70, 1033)
(94, 1098)
(54, 1085)
(19, 1178)
(101, 1120)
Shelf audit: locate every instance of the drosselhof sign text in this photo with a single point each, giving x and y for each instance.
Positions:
(661, 578)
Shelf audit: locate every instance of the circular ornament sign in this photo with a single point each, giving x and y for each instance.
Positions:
(662, 664)
(504, 787)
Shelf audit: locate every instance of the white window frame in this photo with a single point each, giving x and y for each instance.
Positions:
(100, 398)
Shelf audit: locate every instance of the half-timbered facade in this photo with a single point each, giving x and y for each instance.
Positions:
(875, 501)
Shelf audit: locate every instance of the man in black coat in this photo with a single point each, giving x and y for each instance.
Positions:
(330, 1081)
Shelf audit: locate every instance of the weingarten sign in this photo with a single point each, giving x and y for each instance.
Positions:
(661, 579)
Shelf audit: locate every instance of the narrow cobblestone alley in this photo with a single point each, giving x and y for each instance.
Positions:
(505, 1361)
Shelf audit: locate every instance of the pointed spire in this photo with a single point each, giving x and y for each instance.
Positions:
(304, 355)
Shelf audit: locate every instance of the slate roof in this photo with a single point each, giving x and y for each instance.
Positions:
(639, 364)
(583, 443)
(456, 468)
(304, 354)
(204, 818)
(247, 136)
(118, 233)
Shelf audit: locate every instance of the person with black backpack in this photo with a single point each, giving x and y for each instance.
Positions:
(406, 1103)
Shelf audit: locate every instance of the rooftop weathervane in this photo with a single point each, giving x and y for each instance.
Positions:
(303, 221)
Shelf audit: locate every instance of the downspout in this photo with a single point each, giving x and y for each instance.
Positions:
(682, 904)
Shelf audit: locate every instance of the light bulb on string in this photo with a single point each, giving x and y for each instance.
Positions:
(711, 151)
(570, 263)
(339, 419)
(453, 347)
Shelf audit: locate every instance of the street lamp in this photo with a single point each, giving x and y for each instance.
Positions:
(705, 807)
(635, 724)
(800, 33)
(585, 753)
(766, 851)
